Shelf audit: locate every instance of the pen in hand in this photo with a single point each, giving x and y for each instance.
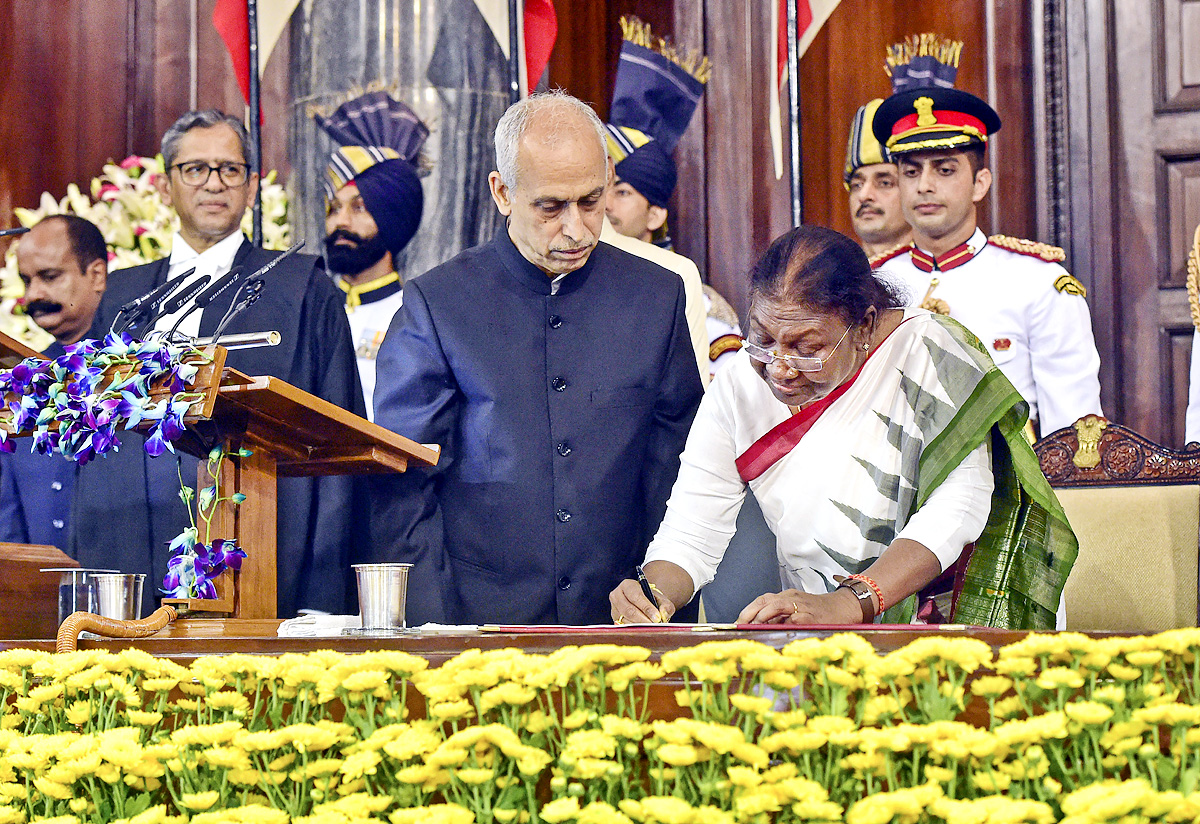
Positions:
(647, 590)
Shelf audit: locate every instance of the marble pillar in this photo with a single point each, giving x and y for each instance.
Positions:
(439, 57)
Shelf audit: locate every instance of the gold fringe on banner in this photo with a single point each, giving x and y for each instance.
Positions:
(638, 32)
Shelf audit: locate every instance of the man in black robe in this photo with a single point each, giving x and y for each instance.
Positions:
(126, 505)
(558, 375)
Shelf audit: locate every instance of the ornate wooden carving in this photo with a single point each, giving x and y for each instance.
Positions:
(1123, 457)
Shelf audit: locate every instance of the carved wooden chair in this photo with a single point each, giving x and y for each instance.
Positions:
(1135, 507)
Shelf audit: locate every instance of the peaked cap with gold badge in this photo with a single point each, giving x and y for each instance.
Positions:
(925, 111)
(655, 95)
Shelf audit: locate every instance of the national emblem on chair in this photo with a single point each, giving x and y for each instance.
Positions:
(1135, 507)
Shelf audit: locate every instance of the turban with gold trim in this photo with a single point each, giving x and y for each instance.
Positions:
(862, 149)
(655, 95)
(380, 142)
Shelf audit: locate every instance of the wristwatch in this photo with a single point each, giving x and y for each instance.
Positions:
(863, 593)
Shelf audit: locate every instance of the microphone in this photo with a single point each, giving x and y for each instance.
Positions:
(18, 230)
(271, 264)
(249, 291)
(179, 299)
(137, 309)
(207, 296)
(246, 297)
(217, 287)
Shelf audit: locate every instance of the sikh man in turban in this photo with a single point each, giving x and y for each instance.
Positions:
(373, 204)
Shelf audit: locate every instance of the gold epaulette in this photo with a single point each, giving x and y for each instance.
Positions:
(1071, 285)
(1193, 274)
(723, 344)
(1032, 248)
(884, 257)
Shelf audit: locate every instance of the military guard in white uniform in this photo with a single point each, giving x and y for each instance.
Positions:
(1013, 294)
(372, 210)
(1192, 423)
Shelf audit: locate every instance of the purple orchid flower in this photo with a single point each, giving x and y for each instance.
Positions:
(45, 441)
(205, 588)
(229, 553)
(180, 580)
(157, 443)
(87, 346)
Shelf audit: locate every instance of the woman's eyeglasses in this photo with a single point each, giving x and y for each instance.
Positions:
(800, 363)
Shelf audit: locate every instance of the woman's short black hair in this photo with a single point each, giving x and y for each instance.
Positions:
(823, 269)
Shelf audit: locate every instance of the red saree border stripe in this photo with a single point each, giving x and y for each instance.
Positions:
(782, 439)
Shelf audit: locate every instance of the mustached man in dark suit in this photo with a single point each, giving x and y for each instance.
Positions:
(63, 263)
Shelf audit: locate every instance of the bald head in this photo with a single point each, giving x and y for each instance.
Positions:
(552, 116)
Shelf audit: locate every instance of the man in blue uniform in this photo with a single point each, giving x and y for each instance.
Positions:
(558, 376)
(63, 263)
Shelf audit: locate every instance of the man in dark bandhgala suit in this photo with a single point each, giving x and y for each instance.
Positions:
(559, 377)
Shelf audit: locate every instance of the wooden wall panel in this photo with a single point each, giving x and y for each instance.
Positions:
(584, 60)
(91, 82)
(63, 100)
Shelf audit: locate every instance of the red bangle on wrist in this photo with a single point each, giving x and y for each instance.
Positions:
(874, 588)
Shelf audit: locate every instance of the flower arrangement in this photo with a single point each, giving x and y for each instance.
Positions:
(194, 565)
(137, 226)
(76, 403)
(1076, 730)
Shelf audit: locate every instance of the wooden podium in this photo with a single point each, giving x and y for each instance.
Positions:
(289, 433)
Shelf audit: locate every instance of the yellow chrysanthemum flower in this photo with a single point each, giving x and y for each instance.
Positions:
(1124, 673)
(993, 810)
(452, 710)
(1054, 678)
(509, 693)
(904, 805)
(206, 735)
(559, 810)
(473, 775)
(678, 755)
(598, 812)
(1089, 713)
(79, 713)
(199, 802)
(229, 758)
(666, 810)
(991, 686)
(361, 763)
(434, 814)
(53, 789)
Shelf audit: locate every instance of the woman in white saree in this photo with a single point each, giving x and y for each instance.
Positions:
(867, 432)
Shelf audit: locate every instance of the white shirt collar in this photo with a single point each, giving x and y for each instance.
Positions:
(219, 256)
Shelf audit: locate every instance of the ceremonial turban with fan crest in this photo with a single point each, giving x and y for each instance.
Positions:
(379, 140)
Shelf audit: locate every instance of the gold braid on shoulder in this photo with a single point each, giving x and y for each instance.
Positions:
(1193, 275)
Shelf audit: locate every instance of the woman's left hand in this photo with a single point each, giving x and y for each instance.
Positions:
(795, 607)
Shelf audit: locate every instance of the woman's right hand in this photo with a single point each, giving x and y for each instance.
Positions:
(629, 605)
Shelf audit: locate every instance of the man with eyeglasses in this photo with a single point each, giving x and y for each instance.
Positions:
(127, 507)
